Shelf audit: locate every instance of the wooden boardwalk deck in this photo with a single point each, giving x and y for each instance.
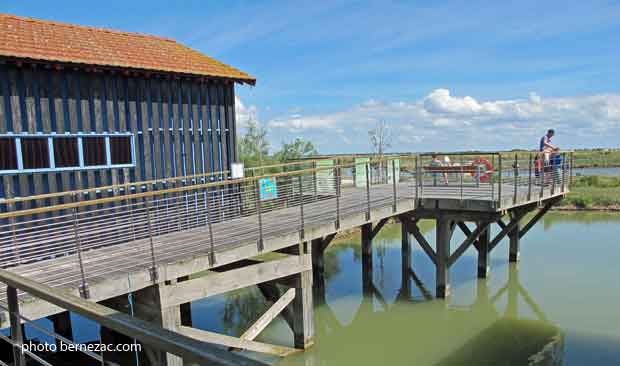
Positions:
(118, 269)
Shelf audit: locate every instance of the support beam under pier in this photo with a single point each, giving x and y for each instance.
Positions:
(303, 312)
(405, 292)
(445, 229)
(318, 247)
(483, 252)
(149, 305)
(515, 238)
(62, 326)
(185, 308)
(367, 258)
(109, 336)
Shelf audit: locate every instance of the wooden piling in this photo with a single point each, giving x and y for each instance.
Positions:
(318, 271)
(406, 259)
(303, 312)
(367, 258)
(443, 236)
(483, 253)
(62, 326)
(515, 238)
(149, 306)
(17, 335)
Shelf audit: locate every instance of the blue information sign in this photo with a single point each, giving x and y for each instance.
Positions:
(268, 188)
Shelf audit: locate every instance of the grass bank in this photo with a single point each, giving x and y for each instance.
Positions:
(593, 193)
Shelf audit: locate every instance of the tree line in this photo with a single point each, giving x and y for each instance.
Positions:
(255, 150)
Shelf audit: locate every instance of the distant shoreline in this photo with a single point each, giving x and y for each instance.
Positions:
(596, 166)
(574, 208)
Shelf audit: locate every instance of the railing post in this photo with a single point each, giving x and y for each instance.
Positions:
(554, 174)
(516, 179)
(19, 358)
(367, 191)
(153, 269)
(492, 180)
(542, 179)
(338, 187)
(178, 206)
(84, 292)
(209, 225)
(418, 182)
(499, 187)
(301, 212)
(461, 180)
(187, 215)
(529, 183)
(16, 250)
(394, 184)
(259, 211)
(572, 164)
(220, 202)
(563, 172)
(316, 190)
(197, 221)
(167, 209)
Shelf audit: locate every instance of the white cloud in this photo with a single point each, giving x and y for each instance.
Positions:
(244, 114)
(441, 121)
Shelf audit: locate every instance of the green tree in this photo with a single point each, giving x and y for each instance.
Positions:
(296, 150)
(254, 146)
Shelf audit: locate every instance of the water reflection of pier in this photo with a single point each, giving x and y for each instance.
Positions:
(433, 332)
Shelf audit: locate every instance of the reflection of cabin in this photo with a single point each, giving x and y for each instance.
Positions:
(83, 107)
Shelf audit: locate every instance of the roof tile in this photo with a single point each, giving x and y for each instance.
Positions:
(61, 42)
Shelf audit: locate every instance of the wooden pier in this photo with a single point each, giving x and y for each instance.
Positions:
(173, 246)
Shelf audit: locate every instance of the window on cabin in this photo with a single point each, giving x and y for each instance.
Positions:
(94, 151)
(35, 153)
(120, 150)
(66, 154)
(8, 155)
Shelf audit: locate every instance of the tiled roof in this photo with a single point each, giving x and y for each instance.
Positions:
(61, 42)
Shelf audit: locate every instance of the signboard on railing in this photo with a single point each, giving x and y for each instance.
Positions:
(360, 171)
(393, 170)
(268, 188)
(325, 177)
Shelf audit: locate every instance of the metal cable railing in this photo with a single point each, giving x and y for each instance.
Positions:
(499, 178)
(87, 240)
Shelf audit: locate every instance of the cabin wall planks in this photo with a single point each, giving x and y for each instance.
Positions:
(181, 126)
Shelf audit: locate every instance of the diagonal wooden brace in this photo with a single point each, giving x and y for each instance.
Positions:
(507, 229)
(269, 315)
(467, 242)
(467, 232)
(378, 227)
(537, 217)
(415, 230)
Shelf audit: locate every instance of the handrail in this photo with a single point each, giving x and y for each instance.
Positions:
(125, 197)
(143, 331)
(168, 180)
(185, 188)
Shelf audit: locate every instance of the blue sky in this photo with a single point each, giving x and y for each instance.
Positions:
(443, 75)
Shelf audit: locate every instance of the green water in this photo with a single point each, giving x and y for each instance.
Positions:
(563, 294)
(564, 289)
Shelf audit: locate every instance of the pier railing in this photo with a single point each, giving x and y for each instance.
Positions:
(150, 335)
(172, 224)
(533, 176)
(201, 216)
(503, 178)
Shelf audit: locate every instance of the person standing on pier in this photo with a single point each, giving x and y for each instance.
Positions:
(437, 164)
(546, 148)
